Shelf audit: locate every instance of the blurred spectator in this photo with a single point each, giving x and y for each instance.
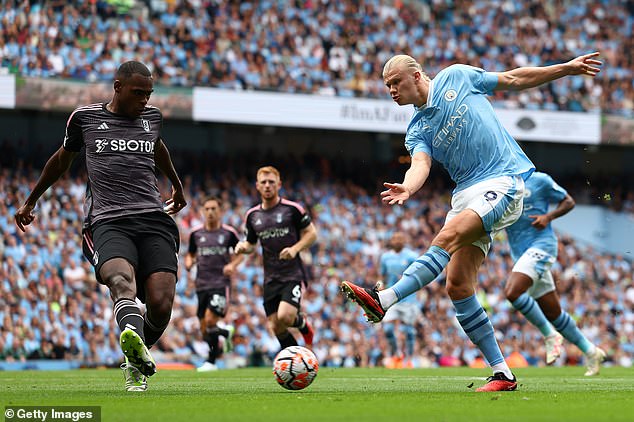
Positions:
(48, 311)
(324, 47)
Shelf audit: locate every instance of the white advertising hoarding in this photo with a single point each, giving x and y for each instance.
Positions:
(7, 91)
(370, 115)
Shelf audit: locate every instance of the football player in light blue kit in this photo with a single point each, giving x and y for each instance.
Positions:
(403, 315)
(531, 287)
(455, 124)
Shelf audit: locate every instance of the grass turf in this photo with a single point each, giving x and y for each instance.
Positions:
(447, 394)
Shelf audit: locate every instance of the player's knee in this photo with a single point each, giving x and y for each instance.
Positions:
(459, 290)
(159, 304)
(286, 320)
(512, 292)
(121, 284)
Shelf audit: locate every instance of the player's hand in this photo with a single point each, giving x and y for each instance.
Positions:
(228, 270)
(540, 222)
(24, 216)
(176, 203)
(242, 247)
(288, 253)
(585, 65)
(396, 193)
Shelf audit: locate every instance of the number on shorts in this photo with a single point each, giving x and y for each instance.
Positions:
(297, 293)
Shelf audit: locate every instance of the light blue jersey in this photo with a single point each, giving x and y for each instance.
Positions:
(458, 128)
(392, 266)
(541, 191)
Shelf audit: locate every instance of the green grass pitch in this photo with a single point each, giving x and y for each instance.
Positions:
(544, 394)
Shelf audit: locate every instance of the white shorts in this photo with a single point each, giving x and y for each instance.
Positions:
(536, 264)
(497, 201)
(406, 312)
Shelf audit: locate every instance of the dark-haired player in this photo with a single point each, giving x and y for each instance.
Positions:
(211, 248)
(128, 236)
(284, 229)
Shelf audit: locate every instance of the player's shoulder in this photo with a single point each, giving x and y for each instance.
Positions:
(292, 204)
(89, 110)
(456, 71)
(198, 228)
(230, 229)
(252, 210)
(540, 178)
(152, 112)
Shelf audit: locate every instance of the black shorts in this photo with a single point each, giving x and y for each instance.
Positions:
(281, 291)
(216, 300)
(148, 241)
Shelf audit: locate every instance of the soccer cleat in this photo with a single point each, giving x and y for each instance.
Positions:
(308, 335)
(134, 379)
(228, 344)
(553, 347)
(594, 362)
(498, 382)
(136, 353)
(207, 367)
(368, 299)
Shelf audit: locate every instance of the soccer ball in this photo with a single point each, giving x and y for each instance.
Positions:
(295, 367)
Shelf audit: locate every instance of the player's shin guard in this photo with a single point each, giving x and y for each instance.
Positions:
(212, 340)
(568, 328)
(286, 339)
(128, 315)
(152, 331)
(421, 272)
(476, 324)
(533, 313)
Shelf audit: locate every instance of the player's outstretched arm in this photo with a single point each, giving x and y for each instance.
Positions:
(529, 77)
(415, 177)
(164, 163)
(57, 165)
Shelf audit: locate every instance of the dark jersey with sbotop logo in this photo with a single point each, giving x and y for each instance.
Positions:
(119, 160)
(213, 249)
(278, 228)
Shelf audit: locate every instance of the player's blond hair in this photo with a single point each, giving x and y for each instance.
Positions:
(266, 170)
(403, 61)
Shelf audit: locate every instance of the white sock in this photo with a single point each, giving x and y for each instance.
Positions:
(387, 298)
(503, 367)
(592, 350)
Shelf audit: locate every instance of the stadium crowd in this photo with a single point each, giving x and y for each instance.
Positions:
(324, 47)
(51, 306)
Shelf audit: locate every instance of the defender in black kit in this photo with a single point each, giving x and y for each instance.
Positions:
(128, 237)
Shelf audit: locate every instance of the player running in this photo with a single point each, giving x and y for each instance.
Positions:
(283, 228)
(128, 237)
(454, 123)
(534, 249)
(211, 249)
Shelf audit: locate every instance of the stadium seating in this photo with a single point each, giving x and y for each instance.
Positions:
(324, 48)
(52, 308)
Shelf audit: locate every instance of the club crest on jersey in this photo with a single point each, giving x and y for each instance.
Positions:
(146, 124)
(451, 95)
(221, 238)
(278, 218)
